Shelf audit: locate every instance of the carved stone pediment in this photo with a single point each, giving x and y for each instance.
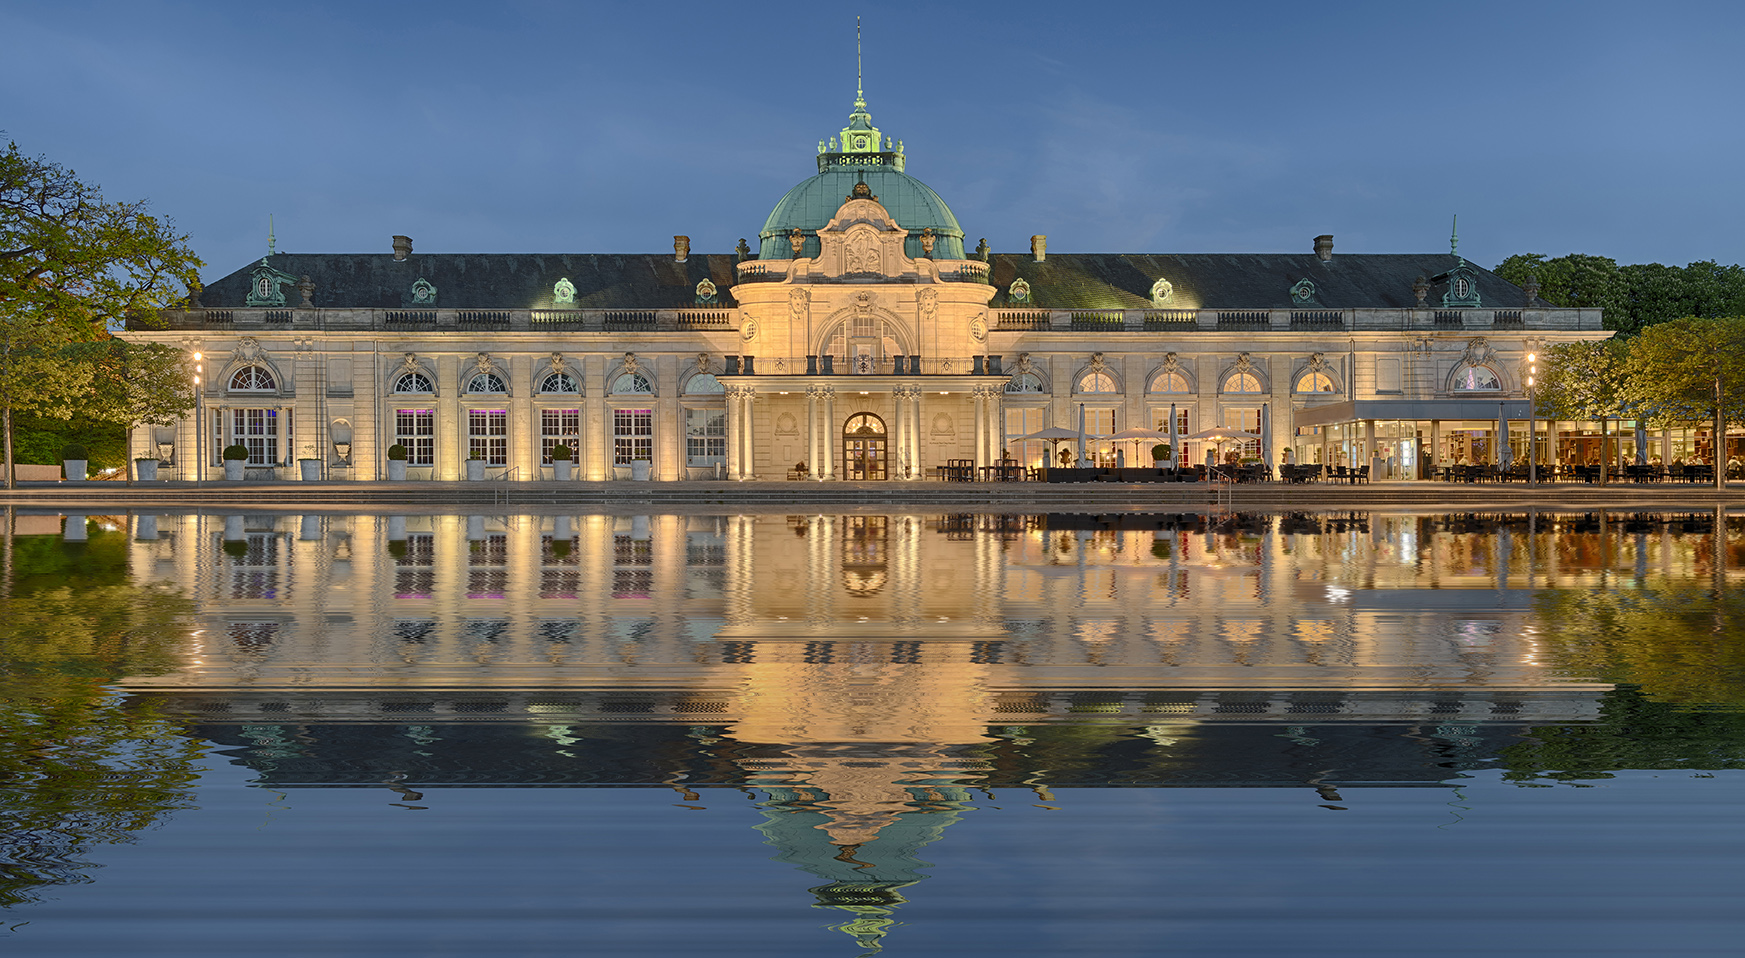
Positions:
(862, 240)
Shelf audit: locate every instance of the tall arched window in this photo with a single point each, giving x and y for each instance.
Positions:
(1097, 383)
(1242, 383)
(1171, 382)
(1314, 382)
(253, 379)
(487, 383)
(414, 383)
(1024, 383)
(1476, 378)
(559, 383)
(632, 383)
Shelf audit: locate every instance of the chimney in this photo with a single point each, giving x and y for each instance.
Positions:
(1039, 247)
(402, 248)
(1324, 247)
(681, 248)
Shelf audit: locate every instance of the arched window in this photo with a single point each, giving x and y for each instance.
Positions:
(632, 383)
(1476, 378)
(253, 379)
(1314, 382)
(559, 383)
(414, 383)
(1242, 383)
(487, 383)
(1171, 382)
(1024, 383)
(704, 384)
(1097, 383)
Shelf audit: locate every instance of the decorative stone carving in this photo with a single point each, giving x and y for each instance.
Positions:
(1421, 289)
(748, 331)
(796, 241)
(306, 290)
(798, 299)
(702, 362)
(423, 293)
(1161, 292)
(484, 364)
(705, 291)
(563, 293)
(928, 302)
(1170, 362)
(1022, 367)
(1244, 363)
(862, 252)
(1317, 363)
(1096, 365)
(983, 251)
(743, 251)
(1019, 291)
(248, 350)
(1478, 352)
(864, 302)
(559, 366)
(409, 364)
(978, 327)
(927, 240)
(632, 365)
(1530, 290)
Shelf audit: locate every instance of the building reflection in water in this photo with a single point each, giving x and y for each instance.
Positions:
(863, 672)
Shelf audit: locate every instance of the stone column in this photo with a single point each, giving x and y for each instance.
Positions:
(733, 460)
(915, 394)
(813, 395)
(979, 396)
(828, 447)
(747, 434)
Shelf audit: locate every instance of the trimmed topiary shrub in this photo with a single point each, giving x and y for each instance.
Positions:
(562, 452)
(236, 452)
(1160, 452)
(397, 451)
(73, 450)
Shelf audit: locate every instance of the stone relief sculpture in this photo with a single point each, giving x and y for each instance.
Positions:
(1161, 291)
(1478, 352)
(484, 364)
(631, 365)
(978, 327)
(863, 254)
(927, 302)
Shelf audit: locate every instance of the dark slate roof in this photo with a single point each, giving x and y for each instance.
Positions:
(1237, 280)
(489, 280)
(1062, 281)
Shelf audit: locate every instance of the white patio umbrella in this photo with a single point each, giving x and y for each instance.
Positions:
(1055, 435)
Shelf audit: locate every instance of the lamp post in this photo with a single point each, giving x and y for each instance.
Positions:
(198, 420)
(1532, 421)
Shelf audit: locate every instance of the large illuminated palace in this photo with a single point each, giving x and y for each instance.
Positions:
(858, 338)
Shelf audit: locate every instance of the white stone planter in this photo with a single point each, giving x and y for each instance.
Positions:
(145, 470)
(475, 470)
(640, 470)
(563, 470)
(309, 470)
(235, 469)
(396, 470)
(74, 469)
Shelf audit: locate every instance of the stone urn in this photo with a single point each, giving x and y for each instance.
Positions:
(475, 470)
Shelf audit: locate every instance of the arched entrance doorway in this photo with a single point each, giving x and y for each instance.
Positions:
(863, 447)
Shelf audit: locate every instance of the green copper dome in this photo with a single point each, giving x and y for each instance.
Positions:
(861, 152)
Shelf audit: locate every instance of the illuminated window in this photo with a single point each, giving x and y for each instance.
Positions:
(1024, 383)
(488, 435)
(1097, 383)
(705, 436)
(632, 383)
(1242, 383)
(416, 430)
(1476, 378)
(632, 435)
(414, 383)
(704, 384)
(559, 427)
(1315, 382)
(1171, 382)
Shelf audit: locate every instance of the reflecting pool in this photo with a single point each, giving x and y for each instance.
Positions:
(857, 733)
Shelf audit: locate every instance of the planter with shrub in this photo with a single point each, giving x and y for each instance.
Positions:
(74, 459)
(235, 462)
(397, 463)
(562, 466)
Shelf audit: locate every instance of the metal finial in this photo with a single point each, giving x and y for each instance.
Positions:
(1454, 237)
(272, 244)
(859, 93)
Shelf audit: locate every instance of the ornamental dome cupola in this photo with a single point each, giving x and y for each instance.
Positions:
(861, 153)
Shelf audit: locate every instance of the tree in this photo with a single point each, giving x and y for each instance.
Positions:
(1580, 380)
(72, 265)
(1680, 371)
(1574, 281)
(136, 384)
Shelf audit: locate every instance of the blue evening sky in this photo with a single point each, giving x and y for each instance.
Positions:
(1599, 127)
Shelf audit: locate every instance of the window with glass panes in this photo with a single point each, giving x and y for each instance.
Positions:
(257, 429)
(1100, 422)
(488, 435)
(1247, 420)
(559, 427)
(1160, 420)
(705, 436)
(632, 435)
(416, 430)
(1023, 422)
